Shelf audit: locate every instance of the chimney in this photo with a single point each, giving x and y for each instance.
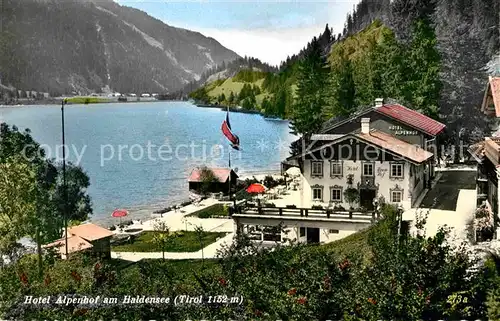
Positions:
(379, 102)
(365, 125)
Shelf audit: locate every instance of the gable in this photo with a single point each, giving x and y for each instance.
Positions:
(376, 146)
(491, 101)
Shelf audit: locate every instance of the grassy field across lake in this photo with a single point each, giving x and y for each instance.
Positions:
(87, 100)
(183, 242)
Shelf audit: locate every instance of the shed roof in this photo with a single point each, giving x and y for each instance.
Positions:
(89, 232)
(222, 174)
(75, 244)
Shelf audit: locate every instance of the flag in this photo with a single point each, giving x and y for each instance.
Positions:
(226, 130)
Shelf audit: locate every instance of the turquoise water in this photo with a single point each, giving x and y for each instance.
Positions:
(139, 155)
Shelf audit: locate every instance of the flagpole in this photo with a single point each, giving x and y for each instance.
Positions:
(64, 181)
(229, 173)
(229, 164)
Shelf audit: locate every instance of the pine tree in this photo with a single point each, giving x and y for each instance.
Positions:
(231, 98)
(281, 101)
(256, 90)
(268, 107)
(344, 92)
(312, 92)
(388, 58)
(423, 66)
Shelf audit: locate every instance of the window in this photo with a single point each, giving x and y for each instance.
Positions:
(396, 196)
(333, 231)
(316, 168)
(271, 233)
(302, 232)
(336, 194)
(317, 194)
(367, 169)
(336, 169)
(397, 171)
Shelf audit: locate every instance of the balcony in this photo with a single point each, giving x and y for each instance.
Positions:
(247, 208)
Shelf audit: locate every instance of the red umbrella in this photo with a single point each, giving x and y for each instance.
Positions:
(256, 188)
(120, 214)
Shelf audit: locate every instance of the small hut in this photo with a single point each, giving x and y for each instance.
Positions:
(220, 183)
(85, 237)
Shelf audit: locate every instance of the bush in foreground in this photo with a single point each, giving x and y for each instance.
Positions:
(375, 276)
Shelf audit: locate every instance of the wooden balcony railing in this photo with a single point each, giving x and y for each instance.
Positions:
(247, 208)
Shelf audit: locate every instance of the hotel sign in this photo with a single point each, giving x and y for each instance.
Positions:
(398, 130)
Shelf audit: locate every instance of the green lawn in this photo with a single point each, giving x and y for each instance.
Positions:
(229, 85)
(354, 245)
(181, 273)
(184, 242)
(87, 100)
(216, 210)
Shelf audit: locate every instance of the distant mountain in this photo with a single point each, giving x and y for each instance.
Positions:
(98, 45)
(464, 35)
(225, 71)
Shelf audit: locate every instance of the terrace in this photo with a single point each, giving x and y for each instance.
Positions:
(254, 214)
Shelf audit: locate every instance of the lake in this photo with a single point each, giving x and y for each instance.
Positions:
(138, 155)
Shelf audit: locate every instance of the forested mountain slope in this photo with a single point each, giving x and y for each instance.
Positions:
(83, 45)
(431, 55)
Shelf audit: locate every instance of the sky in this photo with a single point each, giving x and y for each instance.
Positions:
(264, 29)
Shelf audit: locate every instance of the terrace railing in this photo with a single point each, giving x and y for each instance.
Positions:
(254, 209)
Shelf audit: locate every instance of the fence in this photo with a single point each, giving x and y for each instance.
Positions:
(247, 208)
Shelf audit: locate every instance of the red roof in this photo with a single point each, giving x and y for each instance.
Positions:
(89, 232)
(222, 174)
(412, 118)
(495, 93)
(75, 244)
(391, 143)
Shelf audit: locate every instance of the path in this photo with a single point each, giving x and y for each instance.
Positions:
(444, 195)
(209, 252)
(179, 221)
(456, 219)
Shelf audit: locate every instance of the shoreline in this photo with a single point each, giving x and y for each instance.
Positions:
(58, 101)
(146, 212)
(239, 110)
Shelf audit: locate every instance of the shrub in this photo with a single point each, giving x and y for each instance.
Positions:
(291, 206)
(270, 182)
(351, 195)
(207, 179)
(317, 207)
(269, 205)
(482, 212)
(186, 203)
